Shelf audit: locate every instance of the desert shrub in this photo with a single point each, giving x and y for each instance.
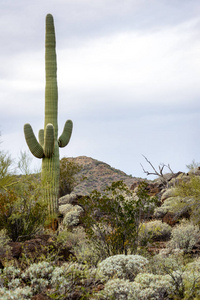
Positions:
(166, 207)
(154, 230)
(112, 219)
(184, 236)
(6, 176)
(4, 240)
(119, 289)
(72, 216)
(70, 278)
(22, 210)
(80, 246)
(38, 274)
(9, 274)
(122, 266)
(184, 274)
(16, 293)
(192, 280)
(152, 286)
(184, 199)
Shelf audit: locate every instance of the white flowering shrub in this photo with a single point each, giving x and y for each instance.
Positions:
(154, 230)
(184, 236)
(10, 276)
(151, 286)
(16, 294)
(59, 282)
(66, 278)
(39, 275)
(119, 289)
(122, 266)
(72, 216)
(38, 270)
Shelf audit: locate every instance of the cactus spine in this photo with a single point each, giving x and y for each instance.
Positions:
(48, 146)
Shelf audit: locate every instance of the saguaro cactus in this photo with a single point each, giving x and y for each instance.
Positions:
(48, 146)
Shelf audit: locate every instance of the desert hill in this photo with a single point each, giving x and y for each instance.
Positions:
(98, 175)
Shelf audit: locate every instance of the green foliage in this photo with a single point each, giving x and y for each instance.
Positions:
(112, 219)
(6, 176)
(184, 236)
(184, 274)
(22, 210)
(187, 198)
(154, 231)
(68, 172)
(4, 240)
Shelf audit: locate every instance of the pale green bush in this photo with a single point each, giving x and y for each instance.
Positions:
(151, 286)
(119, 289)
(9, 274)
(16, 294)
(184, 236)
(38, 274)
(166, 207)
(185, 277)
(122, 266)
(154, 230)
(72, 215)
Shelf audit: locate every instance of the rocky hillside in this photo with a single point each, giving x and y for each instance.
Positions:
(97, 175)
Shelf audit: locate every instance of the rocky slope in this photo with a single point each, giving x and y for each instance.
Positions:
(97, 175)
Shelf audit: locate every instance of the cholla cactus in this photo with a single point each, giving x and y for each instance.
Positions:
(49, 143)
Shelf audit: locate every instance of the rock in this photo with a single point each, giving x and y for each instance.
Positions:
(16, 249)
(170, 218)
(41, 245)
(167, 194)
(68, 199)
(41, 297)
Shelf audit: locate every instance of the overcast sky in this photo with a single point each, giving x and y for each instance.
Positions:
(128, 78)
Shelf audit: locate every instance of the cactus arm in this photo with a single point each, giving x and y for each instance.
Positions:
(49, 140)
(66, 134)
(41, 137)
(35, 148)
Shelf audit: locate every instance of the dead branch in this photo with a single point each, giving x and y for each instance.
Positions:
(158, 173)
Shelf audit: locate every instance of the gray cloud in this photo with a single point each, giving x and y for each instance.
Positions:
(128, 76)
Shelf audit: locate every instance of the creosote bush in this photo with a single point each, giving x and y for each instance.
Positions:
(112, 219)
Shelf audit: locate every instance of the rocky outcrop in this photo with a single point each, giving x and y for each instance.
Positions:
(34, 249)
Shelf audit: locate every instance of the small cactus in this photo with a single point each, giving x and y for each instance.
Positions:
(48, 146)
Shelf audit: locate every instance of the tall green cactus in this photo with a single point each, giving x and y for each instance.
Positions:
(49, 143)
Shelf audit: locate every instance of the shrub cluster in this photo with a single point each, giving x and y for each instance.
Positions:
(154, 231)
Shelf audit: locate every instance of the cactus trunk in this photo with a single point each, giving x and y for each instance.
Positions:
(48, 146)
(50, 165)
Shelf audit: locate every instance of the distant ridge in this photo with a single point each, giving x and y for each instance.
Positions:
(98, 175)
